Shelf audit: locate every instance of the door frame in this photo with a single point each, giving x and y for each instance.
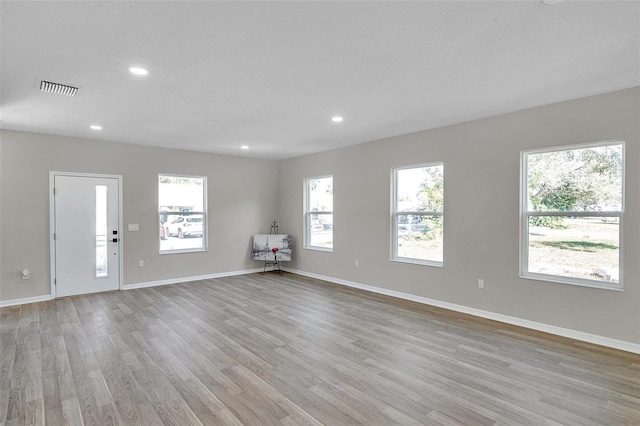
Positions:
(52, 225)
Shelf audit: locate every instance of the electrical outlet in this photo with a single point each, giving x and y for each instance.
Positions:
(480, 283)
(141, 263)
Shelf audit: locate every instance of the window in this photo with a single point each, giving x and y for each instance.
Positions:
(418, 208)
(182, 212)
(319, 213)
(102, 264)
(572, 212)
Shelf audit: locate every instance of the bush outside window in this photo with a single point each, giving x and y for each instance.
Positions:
(572, 214)
(418, 214)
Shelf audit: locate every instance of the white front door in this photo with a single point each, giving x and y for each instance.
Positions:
(86, 234)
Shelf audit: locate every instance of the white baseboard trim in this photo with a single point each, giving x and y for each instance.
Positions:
(14, 302)
(189, 279)
(24, 301)
(552, 329)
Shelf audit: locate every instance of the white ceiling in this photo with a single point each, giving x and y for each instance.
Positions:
(272, 74)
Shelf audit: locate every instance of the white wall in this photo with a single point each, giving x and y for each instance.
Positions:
(482, 173)
(240, 195)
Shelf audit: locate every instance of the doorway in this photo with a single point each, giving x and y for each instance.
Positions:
(86, 228)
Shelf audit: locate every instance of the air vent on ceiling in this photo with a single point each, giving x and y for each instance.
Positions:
(60, 89)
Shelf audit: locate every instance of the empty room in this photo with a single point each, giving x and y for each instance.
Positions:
(320, 213)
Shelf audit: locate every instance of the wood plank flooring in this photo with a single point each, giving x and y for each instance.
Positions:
(288, 350)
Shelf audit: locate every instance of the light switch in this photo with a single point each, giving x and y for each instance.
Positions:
(134, 227)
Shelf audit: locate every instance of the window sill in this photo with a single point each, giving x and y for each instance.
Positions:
(325, 249)
(573, 281)
(183, 251)
(418, 261)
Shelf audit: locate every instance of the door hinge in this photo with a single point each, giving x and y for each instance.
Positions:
(54, 235)
(55, 281)
(54, 191)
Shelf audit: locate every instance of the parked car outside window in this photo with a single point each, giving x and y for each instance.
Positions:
(183, 226)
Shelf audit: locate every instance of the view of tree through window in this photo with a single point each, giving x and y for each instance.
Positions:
(418, 213)
(572, 212)
(182, 213)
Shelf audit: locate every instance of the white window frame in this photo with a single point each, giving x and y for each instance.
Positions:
(525, 214)
(308, 213)
(395, 213)
(205, 228)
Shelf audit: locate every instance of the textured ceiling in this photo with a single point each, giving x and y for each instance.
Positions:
(272, 74)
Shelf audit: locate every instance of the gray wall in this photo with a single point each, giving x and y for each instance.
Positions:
(240, 196)
(482, 172)
(481, 211)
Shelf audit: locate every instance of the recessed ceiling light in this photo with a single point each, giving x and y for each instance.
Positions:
(337, 119)
(212, 122)
(550, 2)
(245, 147)
(96, 127)
(138, 71)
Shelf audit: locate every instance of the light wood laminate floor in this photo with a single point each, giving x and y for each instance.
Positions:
(267, 350)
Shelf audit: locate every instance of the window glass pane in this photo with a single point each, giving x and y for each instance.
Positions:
(319, 212)
(102, 267)
(321, 194)
(585, 179)
(420, 189)
(181, 212)
(321, 230)
(420, 237)
(580, 247)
